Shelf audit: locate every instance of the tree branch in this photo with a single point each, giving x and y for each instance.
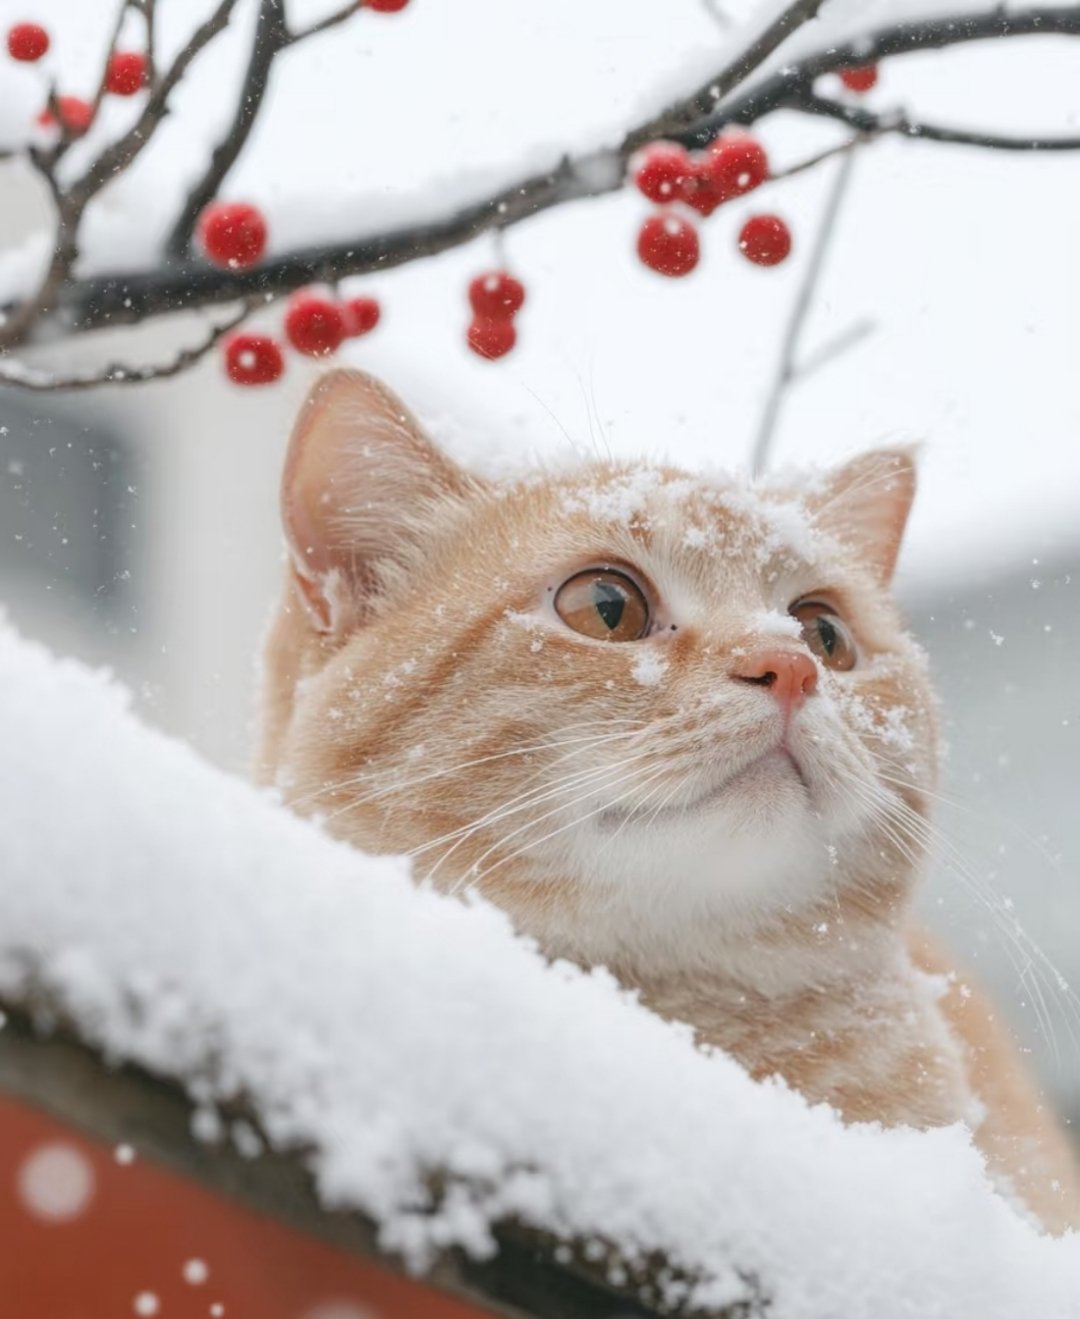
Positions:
(786, 369)
(332, 20)
(116, 373)
(674, 120)
(271, 35)
(122, 298)
(864, 121)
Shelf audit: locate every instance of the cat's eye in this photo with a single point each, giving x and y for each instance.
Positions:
(826, 633)
(603, 604)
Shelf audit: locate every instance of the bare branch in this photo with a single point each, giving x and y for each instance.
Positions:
(864, 121)
(121, 298)
(332, 20)
(271, 35)
(120, 154)
(670, 123)
(833, 348)
(110, 50)
(116, 373)
(149, 16)
(786, 369)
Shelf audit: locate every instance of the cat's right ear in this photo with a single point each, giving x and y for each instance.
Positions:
(361, 487)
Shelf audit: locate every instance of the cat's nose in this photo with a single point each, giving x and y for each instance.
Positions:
(790, 675)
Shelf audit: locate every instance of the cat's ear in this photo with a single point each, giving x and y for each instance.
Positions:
(865, 506)
(362, 488)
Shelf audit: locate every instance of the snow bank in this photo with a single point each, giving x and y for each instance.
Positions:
(190, 924)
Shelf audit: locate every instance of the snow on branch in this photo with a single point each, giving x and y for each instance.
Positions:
(408, 1060)
(65, 302)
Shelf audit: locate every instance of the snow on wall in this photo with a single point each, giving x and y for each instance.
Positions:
(190, 924)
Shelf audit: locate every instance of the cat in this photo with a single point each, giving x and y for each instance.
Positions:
(671, 723)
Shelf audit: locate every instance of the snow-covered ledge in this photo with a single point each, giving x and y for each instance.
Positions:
(388, 1042)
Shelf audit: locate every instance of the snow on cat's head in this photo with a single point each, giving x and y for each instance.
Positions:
(642, 709)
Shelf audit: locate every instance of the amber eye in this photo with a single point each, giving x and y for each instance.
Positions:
(826, 633)
(603, 604)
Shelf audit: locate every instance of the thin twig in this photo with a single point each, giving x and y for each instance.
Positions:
(110, 50)
(116, 373)
(121, 153)
(811, 162)
(323, 24)
(676, 118)
(149, 16)
(271, 35)
(867, 123)
(72, 201)
(833, 348)
(786, 368)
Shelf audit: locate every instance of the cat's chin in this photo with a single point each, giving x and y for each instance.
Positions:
(772, 781)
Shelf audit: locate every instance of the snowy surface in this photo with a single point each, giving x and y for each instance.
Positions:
(189, 923)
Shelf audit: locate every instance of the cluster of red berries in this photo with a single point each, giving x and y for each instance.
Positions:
(314, 325)
(495, 297)
(730, 167)
(125, 74)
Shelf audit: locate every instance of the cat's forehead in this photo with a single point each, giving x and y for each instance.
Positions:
(707, 516)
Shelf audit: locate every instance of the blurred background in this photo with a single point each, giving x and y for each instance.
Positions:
(138, 526)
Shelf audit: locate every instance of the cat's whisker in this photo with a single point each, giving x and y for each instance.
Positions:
(1024, 955)
(342, 785)
(605, 781)
(605, 806)
(581, 746)
(546, 791)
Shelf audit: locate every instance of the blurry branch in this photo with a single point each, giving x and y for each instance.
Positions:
(787, 369)
(839, 344)
(730, 98)
(869, 124)
(717, 15)
(332, 20)
(271, 34)
(530, 1273)
(118, 373)
(72, 200)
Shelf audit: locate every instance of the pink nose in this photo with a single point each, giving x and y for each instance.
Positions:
(790, 675)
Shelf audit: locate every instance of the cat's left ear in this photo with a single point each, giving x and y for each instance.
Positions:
(363, 489)
(865, 505)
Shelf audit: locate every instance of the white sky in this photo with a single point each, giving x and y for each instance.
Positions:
(965, 260)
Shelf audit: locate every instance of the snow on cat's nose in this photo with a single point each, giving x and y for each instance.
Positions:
(790, 675)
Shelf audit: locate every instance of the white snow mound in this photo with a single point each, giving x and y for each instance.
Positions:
(192, 925)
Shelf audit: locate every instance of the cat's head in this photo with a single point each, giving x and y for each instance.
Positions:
(629, 703)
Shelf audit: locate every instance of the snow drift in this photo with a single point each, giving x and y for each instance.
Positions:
(188, 923)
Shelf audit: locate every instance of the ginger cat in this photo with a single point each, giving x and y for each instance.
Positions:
(670, 723)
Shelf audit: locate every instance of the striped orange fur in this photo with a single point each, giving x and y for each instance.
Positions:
(649, 804)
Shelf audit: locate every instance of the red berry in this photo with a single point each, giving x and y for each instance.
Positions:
(232, 233)
(27, 41)
(765, 240)
(361, 315)
(253, 359)
(668, 244)
(75, 114)
(737, 164)
(661, 171)
(386, 6)
(314, 325)
(126, 73)
(496, 294)
(861, 79)
(491, 336)
(700, 190)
